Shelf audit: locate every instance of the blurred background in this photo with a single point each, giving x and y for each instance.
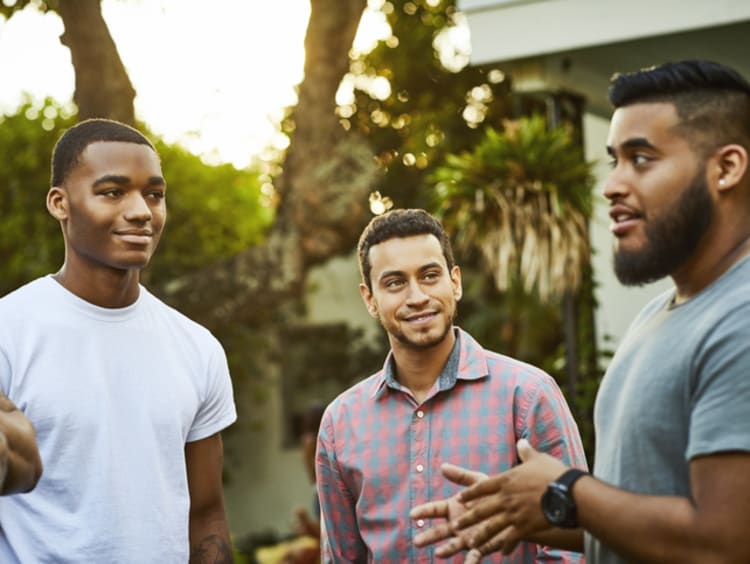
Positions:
(284, 126)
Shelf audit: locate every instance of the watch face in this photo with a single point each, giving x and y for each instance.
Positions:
(558, 508)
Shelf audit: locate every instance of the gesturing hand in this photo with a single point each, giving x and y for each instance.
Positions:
(493, 513)
(449, 509)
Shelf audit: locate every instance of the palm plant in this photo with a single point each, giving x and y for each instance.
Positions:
(522, 198)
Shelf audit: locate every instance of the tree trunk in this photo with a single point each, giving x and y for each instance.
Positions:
(102, 86)
(327, 176)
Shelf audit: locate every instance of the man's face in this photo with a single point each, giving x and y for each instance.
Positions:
(112, 205)
(413, 293)
(660, 203)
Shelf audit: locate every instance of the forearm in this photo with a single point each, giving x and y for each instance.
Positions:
(209, 538)
(648, 529)
(20, 463)
(563, 539)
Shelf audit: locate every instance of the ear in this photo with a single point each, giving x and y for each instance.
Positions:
(57, 203)
(458, 290)
(731, 166)
(370, 304)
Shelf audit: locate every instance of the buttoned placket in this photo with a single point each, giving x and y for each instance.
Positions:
(419, 471)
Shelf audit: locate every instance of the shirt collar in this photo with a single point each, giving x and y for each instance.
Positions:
(462, 364)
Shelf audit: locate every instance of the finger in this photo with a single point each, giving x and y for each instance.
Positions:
(474, 556)
(434, 534)
(487, 530)
(481, 488)
(430, 510)
(525, 450)
(450, 548)
(479, 511)
(461, 476)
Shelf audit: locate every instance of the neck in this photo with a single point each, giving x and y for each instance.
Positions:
(418, 369)
(110, 288)
(708, 265)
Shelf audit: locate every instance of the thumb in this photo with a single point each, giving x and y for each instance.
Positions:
(525, 450)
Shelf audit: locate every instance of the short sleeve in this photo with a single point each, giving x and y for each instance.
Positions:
(720, 390)
(217, 410)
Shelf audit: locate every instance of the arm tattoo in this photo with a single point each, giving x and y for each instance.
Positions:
(212, 550)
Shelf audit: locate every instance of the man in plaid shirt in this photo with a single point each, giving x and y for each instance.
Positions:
(440, 397)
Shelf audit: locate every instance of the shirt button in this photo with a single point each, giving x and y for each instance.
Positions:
(420, 523)
(420, 467)
(420, 414)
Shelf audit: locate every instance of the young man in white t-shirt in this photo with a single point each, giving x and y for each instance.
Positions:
(128, 396)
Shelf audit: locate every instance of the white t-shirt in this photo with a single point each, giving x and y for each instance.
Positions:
(114, 395)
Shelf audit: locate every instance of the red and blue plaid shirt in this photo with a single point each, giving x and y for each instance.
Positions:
(379, 450)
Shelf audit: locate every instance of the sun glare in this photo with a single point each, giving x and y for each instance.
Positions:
(214, 78)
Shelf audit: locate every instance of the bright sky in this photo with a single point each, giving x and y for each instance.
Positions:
(213, 76)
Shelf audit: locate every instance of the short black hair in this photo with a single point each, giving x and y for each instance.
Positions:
(400, 223)
(711, 100)
(73, 142)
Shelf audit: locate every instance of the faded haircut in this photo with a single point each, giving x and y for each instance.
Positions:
(712, 100)
(71, 145)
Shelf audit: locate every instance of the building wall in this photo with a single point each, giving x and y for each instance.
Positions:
(268, 479)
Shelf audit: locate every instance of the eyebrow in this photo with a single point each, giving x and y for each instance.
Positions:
(122, 180)
(635, 143)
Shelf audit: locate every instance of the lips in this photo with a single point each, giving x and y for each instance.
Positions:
(135, 236)
(422, 317)
(624, 218)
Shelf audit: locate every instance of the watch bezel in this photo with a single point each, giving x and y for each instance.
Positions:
(558, 505)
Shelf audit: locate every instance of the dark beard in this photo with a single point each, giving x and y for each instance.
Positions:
(671, 239)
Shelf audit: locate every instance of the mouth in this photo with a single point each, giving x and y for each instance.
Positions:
(421, 318)
(624, 218)
(135, 236)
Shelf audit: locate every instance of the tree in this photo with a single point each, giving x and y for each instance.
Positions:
(102, 86)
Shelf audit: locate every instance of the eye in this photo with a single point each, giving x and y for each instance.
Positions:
(157, 194)
(640, 159)
(432, 276)
(394, 283)
(112, 193)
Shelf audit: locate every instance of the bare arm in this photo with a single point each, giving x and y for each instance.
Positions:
(209, 532)
(710, 528)
(20, 463)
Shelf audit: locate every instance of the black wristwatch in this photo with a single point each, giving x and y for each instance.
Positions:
(558, 505)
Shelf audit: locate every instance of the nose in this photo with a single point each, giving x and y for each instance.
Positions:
(416, 296)
(615, 185)
(137, 208)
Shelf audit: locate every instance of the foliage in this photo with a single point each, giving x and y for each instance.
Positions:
(522, 198)
(30, 240)
(430, 109)
(8, 8)
(214, 211)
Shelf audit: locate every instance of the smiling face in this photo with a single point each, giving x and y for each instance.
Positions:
(414, 293)
(661, 206)
(111, 207)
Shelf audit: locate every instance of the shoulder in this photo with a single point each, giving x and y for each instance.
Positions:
(25, 295)
(353, 404)
(27, 306)
(178, 322)
(505, 375)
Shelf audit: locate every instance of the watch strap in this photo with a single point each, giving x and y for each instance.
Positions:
(570, 476)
